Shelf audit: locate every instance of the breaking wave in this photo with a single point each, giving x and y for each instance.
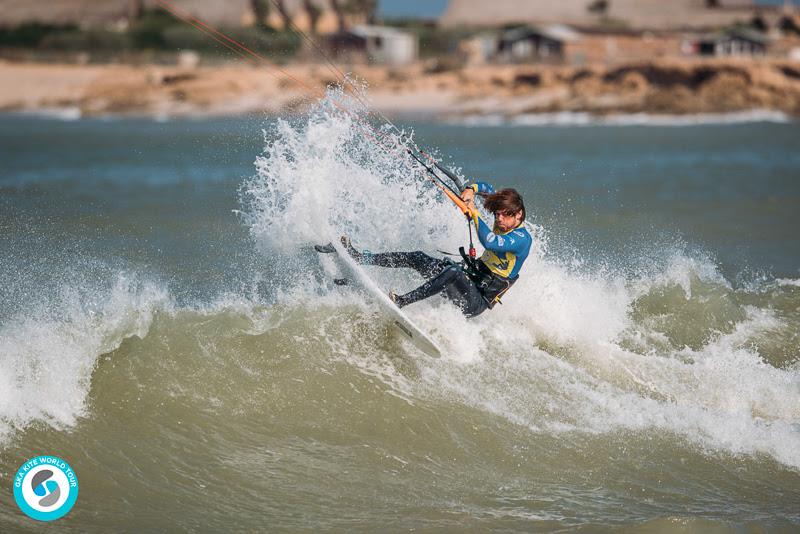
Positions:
(674, 351)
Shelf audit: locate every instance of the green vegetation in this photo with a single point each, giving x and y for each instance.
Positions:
(83, 40)
(266, 42)
(155, 30)
(30, 35)
(148, 31)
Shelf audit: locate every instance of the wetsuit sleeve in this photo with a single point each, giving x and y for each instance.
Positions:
(482, 187)
(516, 241)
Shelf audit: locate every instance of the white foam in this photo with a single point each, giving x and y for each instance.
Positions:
(571, 118)
(66, 113)
(679, 269)
(47, 355)
(721, 397)
(552, 357)
(324, 175)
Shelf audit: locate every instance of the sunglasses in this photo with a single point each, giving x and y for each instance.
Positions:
(505, 213)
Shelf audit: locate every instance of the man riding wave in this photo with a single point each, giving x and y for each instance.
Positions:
(476, 284)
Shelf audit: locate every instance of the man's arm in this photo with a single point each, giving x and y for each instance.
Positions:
(468, 194)
(482, 188)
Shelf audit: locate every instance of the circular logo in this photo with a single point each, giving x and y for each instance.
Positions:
(45, 488)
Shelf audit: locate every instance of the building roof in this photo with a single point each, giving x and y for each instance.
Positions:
(747, 34)
(365, 31)
(554, 32)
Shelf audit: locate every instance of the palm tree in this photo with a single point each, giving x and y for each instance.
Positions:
(313, 12)
(338, 9)
(598, 7)
(284, 13)
(135, 10)
(368, 8)
(260, 10)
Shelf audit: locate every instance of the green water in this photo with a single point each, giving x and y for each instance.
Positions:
(200, 373)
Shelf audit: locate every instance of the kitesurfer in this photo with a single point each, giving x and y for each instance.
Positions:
(474, 285)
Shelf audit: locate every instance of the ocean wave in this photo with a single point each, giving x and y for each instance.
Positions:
(674, 348)
(668, 348)
(49, 352)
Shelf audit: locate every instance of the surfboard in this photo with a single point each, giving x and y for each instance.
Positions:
(401, 323)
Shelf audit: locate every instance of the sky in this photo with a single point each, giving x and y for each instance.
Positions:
(411, 8)
(434, 8)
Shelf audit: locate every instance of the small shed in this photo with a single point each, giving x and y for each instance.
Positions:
(526, 43)
(375, 44)
(519, 44)
(733, 42)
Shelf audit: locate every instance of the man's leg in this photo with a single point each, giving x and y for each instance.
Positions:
(463, 292)
(445, 275)
(457, 287)
(432, 287)
(425, 265)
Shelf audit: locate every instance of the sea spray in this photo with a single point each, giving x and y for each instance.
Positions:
(330, 173)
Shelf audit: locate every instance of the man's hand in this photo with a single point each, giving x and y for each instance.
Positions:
(468, 196)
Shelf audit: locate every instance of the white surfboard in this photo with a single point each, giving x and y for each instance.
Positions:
(402, 324)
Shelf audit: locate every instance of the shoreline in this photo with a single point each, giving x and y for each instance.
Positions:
(532, 120)
(660, 90)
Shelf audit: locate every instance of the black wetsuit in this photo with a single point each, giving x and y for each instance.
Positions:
(442, 274)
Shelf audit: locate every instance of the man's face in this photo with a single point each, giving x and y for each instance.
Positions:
(507, 220)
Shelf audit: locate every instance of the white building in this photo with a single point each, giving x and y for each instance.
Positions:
(386, 45)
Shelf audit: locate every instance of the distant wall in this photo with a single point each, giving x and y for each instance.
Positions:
(635, 14)
(109, 12)
(609, 49)
(105, 12)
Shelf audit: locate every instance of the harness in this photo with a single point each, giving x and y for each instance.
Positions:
(491, 285)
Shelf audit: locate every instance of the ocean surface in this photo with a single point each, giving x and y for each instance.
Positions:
(166, 328)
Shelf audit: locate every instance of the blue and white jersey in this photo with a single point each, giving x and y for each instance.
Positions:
(505, 252)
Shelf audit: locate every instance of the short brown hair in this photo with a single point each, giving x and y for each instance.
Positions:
(505, 200)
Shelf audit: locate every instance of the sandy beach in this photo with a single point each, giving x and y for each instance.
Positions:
(657, 87)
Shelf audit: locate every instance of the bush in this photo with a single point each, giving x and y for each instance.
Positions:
(188, 38)
(101, 40)
(148, 31)
(264, 42)
(30, 35)
(155, 30)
